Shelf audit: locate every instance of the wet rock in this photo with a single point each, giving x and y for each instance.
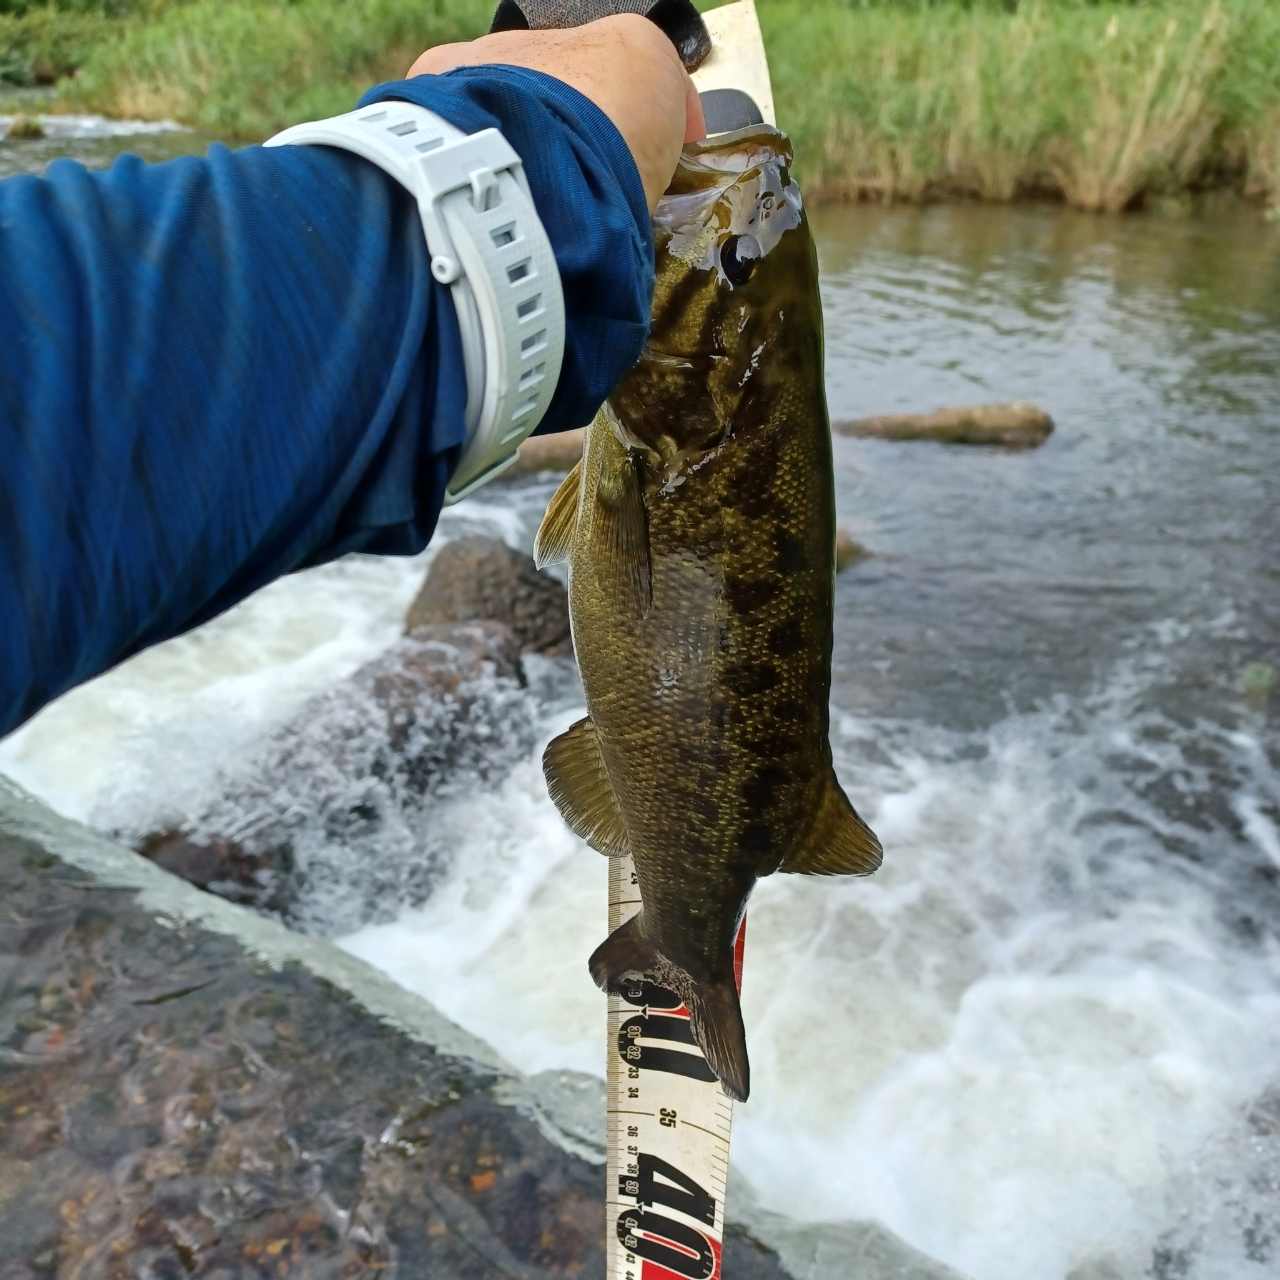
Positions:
(187, 1089)
(325, 824)
(23, 128)
(1257, 682)
(1016, 426)
(483, 579)
(848, 552)
(843, 1250)
(558, 452)
(170, 1105)
(222, 866)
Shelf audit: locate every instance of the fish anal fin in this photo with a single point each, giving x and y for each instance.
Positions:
(621, 532)
(555, 533)
(839, 843)
(579, 786)
(715, 1016)
(626, 950)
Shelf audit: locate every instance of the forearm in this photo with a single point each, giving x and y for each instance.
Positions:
(220, 370)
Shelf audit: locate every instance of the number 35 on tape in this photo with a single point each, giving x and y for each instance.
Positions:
(668, 1128)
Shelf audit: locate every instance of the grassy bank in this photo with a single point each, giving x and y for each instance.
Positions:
(1104, 104)
(240, 68)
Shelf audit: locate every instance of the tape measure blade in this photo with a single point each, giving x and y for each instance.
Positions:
(737, 59)
(667, 1129)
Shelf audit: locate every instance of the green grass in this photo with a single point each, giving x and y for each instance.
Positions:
(1103, 103)
(1100, 103)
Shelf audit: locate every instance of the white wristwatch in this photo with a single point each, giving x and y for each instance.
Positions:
(487, 243)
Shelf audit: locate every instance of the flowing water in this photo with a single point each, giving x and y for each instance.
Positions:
(1044, 1041)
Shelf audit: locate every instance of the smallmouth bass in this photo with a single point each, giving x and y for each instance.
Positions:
(699, 528)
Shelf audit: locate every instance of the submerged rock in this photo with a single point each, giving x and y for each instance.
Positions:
(558, 452)
(482, 579)
(1017, 426)
(324, 824)
(848, 552)
(23, 128)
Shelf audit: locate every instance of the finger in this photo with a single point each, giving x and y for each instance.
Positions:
(695, 123)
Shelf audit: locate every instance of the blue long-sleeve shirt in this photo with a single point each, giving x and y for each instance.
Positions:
(219, 370)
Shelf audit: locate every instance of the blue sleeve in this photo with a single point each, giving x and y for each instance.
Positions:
(218, 370)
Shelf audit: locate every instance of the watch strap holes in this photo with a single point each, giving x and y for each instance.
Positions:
(531, 377)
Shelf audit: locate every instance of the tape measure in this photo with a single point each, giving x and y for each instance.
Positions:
(667, 1129)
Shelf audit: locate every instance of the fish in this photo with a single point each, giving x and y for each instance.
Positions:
(699, 531)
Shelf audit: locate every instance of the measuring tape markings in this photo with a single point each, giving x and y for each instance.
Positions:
(667, 1128)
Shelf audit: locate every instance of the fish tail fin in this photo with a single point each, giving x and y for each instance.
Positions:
(716, 1017)
(625, 950)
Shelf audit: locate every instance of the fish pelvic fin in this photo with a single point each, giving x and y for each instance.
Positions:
(715, 1015)
(621, 530)
(839, 843)
(555, 533)
(580, 788)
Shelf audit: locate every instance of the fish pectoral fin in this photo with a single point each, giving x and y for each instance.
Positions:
(622, 534)
(555, 533)
(580, 787)
(840, 843)
(715, 1016)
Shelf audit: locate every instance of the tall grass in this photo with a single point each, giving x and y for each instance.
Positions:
(245, 68)
(1101, 104)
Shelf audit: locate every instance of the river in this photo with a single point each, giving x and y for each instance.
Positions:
(1043, 1043)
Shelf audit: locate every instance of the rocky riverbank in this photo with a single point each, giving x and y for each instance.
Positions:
(188, 1089)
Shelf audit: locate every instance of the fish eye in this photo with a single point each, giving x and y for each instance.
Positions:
(739, 257)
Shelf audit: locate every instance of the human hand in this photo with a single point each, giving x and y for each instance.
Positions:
(624, 64)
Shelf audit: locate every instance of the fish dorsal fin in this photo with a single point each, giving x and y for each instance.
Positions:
(555, 533)
(839, 844)
(621, 530)
(580, 788)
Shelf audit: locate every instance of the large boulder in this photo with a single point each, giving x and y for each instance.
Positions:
(482, 579)
(187, 1089)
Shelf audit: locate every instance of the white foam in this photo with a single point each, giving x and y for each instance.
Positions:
(1006, 1050)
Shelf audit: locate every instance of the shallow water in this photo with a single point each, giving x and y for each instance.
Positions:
(94, 141)
(1043, 1042)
